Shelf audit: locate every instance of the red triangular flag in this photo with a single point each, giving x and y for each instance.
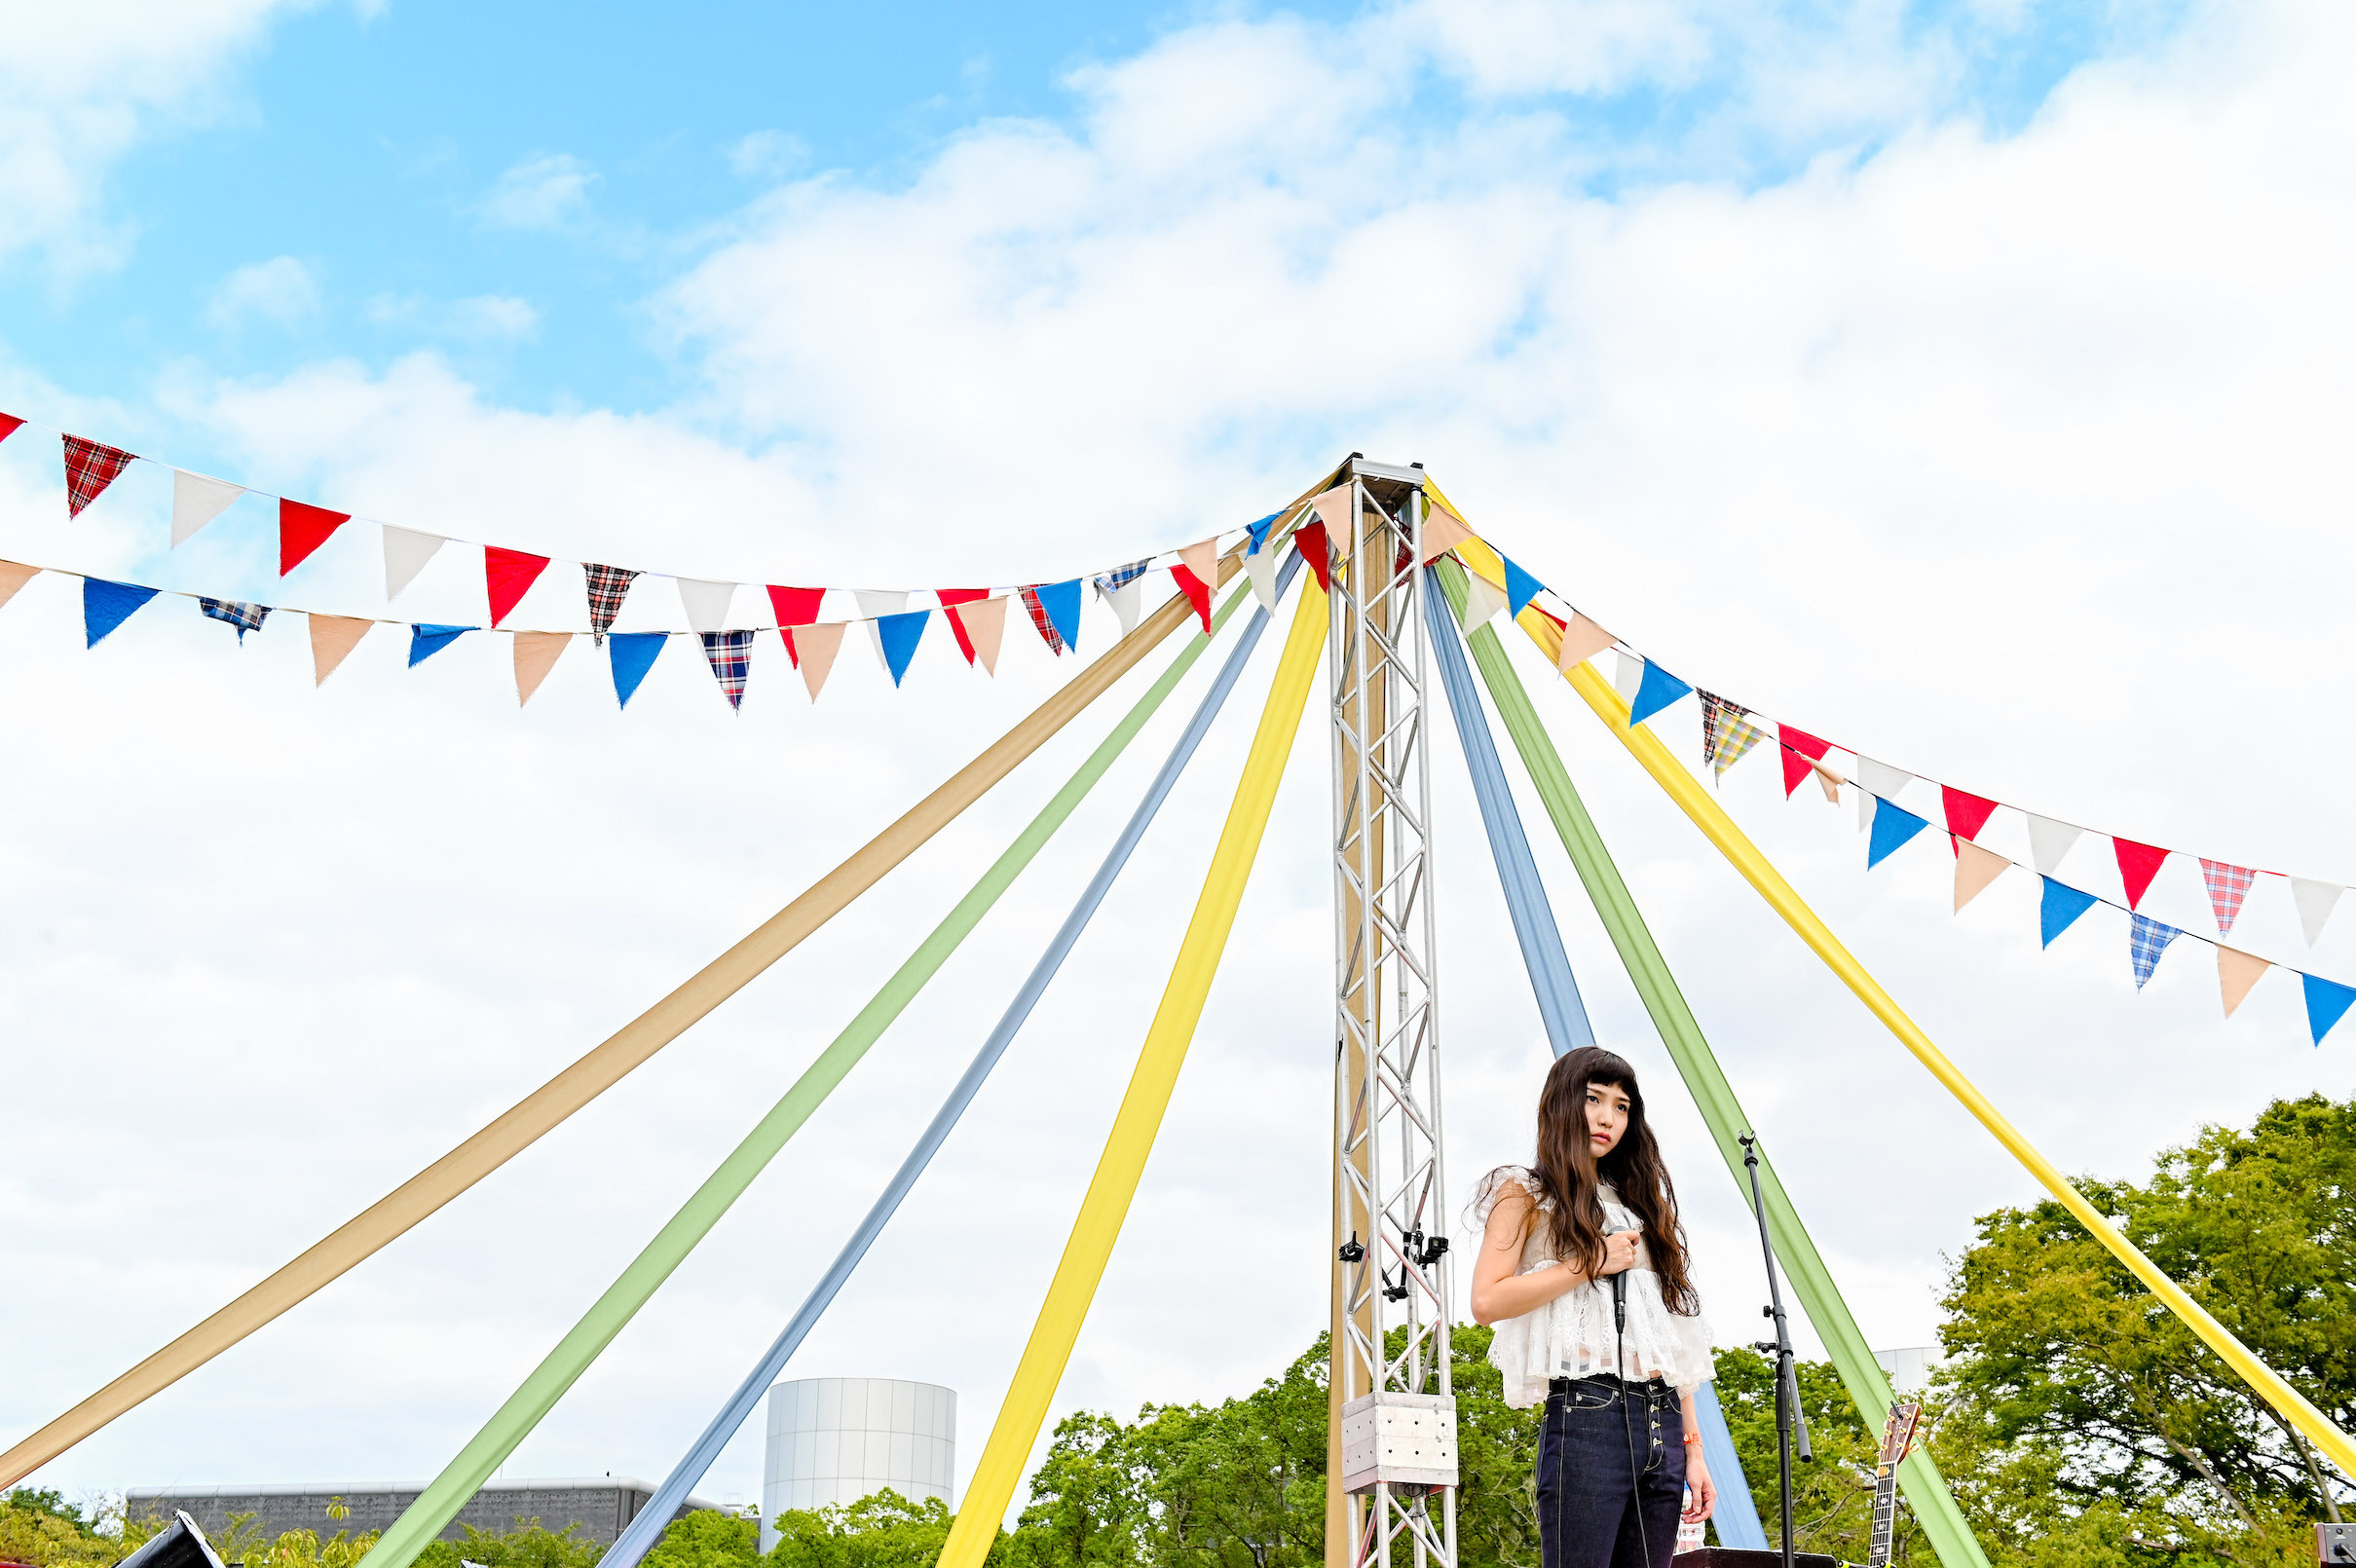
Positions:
(303, 529)
(791, 651)
(2138, 863)
(1799, 748)
(89, 469)
(1966, 814)
(1310, 540)
(951, 598)
(506, 573)
(796, 606)
(1197, 592)
(8, 425)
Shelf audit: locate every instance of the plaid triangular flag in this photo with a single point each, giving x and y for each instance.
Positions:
(244, 617)
(90, 469)
(1727, 733)
(731, 655)
(2227, 886)
(2146, 940)
(607, 584)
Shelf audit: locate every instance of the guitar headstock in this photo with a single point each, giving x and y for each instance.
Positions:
(1897, 1433)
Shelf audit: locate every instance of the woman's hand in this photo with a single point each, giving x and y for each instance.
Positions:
(1701, 1492)
(1621, 1252)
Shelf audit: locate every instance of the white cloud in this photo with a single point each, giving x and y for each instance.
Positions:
(280, 290)
(481, 319)
(2012, 459)
(767, 153)
(544, 191)
(80, 84)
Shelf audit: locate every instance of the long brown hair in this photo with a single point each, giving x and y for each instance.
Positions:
(1567, 1174)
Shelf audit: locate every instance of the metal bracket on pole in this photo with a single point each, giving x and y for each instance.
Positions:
(1390, 1350)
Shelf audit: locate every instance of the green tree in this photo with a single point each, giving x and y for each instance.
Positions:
(884, 1530)
(708, 1537)
(1832, 1496)
(2087, 1419)
(529, 1545)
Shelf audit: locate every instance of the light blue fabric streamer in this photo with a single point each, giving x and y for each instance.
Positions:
(655, 1517)
(1550, 969)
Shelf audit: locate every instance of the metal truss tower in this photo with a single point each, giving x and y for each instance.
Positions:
(1395, 1446)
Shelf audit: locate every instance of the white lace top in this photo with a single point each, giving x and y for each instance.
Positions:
(1571, 1335)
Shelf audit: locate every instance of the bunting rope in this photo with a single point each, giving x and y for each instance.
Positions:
(1935, 1506)
(655, 1517)
(479, 1460)
(1123, 1163)
(90, 467)
(517, 1129)
(1552, 982)
(1730, 841)
(1730, 731)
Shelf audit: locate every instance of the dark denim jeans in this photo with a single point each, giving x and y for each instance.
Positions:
(1587, 1502)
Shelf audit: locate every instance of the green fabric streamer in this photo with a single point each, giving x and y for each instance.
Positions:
(1924, 1487)
(425, 1519)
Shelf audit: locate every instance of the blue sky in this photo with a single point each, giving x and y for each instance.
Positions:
(1968, 383)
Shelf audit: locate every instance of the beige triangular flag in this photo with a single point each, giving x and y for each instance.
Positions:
(1202, 560)
(536, 655)
(2236, 972)
(1582, 640)
(14, 575)
(1443, 532)
(331, 638)
(1975, 868)
(1483, 601)
(196, 501)
(819, 644)
(986, 627)
(1333, 508)
(1829, 782)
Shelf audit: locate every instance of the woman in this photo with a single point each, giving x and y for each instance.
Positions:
(1619, 1458)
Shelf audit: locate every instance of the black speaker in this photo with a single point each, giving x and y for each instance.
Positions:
(1743, 1557)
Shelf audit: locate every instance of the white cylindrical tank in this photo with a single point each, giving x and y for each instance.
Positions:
(836, 1439)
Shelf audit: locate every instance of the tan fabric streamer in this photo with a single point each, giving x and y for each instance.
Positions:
(14, 575)
(984, 621)
(1975, 868)
(818, 644)
(395, 1213)
(536, 655)
(331, 638)
(2236, 972)
(1582, 640)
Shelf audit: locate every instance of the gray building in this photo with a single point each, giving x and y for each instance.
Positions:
(597, 1507)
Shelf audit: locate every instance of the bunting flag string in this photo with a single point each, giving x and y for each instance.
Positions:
(92, 467)
(1730, 731)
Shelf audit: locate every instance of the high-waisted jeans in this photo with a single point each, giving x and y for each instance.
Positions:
(1590, 1498)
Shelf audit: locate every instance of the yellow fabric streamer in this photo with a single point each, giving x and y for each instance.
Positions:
(1116, 1184)
(1732, 842)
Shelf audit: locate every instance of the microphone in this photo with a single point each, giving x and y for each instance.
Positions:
(1618, 1293)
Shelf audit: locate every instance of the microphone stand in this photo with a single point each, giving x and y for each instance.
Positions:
(1790, 1420)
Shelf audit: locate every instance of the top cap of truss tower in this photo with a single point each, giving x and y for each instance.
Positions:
(1388, 481)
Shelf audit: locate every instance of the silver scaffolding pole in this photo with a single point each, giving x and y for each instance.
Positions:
(1390, 1349)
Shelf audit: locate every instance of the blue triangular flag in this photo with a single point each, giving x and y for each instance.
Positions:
(2326, 1000)
(2059, 906)
(900, 635)
(107, 605)
(1260, 532)
(425, 639)
(2146, 940)
(632, 654)
(1893, 826)
(1062, 602)
(1657, 691)
(1520, 589)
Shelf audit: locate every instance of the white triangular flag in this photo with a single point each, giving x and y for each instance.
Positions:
(1483, 600)
(1261, 570)
(197, 500)
(406, 552)
(706, 603)
(1882, 778)
(1127, 602)
(873, 602)
(1628, 670)
(1865, 800)
(2314, 901)
(2048, 842)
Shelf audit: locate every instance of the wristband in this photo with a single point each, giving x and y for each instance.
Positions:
(1692, 1436)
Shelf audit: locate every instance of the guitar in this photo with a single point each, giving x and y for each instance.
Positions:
(1897, 1440)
